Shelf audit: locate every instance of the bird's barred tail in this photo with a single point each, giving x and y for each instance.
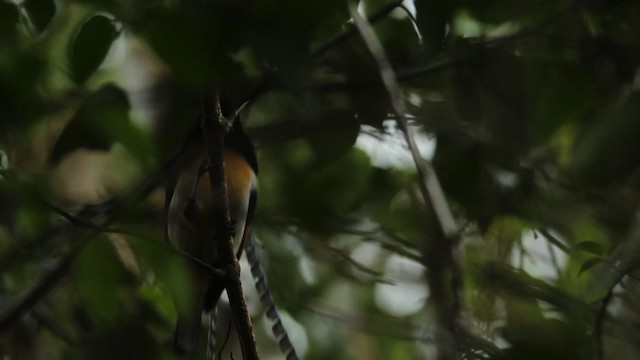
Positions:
(267, 301)
(211, 339)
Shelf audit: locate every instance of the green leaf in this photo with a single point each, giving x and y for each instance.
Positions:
(606, 150)
(336, 137)
(100, 279)
(335, 190)
(86, 129)
(590, 247)
(172, 270)
(102, 119)
(40, 12)
(184, 44)
(490, 94)
(526, 12)
(589, 264)
(8, 21)
(90, 46)
(557, 93)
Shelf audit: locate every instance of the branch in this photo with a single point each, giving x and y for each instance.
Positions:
(352, 29)
(53, 277)
(44, 287)
(553, 240)
(54, 328)
(342, 82)
(599, 326)
(429, 184)
(213, 127)
(323, 49)
(431, 193)
(76, 221)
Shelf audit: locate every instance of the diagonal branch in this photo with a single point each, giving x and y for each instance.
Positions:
(44, 287)
(60, 270)
(353, 29)
(444, 274)
(53, 327)
(429, 184)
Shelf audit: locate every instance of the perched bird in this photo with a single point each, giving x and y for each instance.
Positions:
(190, 229)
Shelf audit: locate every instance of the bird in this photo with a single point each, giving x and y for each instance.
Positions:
(190, 229)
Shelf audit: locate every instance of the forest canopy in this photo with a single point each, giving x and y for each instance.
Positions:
(438, 179)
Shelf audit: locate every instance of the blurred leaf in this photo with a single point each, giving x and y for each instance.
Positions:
(130, 341)
(40, 12)
(180, 38)
(172, 270)
(8, 23)
(434, 19)
(332, 192)
(102, 119)
(463, 171)
(612, 64)
(371, 105)
(100, 110)
(600, 160)
(621, 22)
(100, 279)
(20, 73)
(590, 247)
(589, 264)
(25, 212)
(490, 92)
(558, 93)
(160, 301)
(90, 46)
(112, 7)
(304, 18)
(338, 135)
(522, 12)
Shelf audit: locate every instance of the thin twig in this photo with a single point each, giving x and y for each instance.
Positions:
(79, 222)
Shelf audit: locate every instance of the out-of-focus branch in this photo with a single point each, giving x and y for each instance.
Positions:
(599, 325)
(46, 284)
(53, 327)
(323, 49)
(341, 81)
(429, 184)
(53, 277)
(444, 291)
(553, 240)
(620, 262)
(374, 324)
(353, 30)
(213, 128)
